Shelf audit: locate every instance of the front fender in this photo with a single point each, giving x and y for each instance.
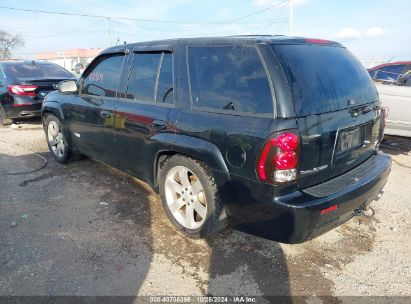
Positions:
(51, 105)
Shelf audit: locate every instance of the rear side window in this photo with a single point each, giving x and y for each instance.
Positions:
(103, 79)
(151, 77)
(165, 80)
(229, 78)
(36, 70)
(324, 78)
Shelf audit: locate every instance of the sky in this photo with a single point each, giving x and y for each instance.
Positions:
(369, 28)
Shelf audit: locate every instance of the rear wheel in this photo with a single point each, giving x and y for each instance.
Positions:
(4, 121)
(190, 196)
(56, 140)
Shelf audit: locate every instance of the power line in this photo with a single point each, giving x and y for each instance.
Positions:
(215, 24)
(70, 31)
(145, 20)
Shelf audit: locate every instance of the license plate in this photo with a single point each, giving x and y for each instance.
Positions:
(349, 139)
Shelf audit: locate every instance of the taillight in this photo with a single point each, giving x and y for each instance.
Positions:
(26, 90)
(279, 158)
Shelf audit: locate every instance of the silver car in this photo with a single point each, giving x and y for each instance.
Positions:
(398, 101)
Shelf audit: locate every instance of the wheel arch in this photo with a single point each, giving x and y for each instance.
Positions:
(53, 108)
(192, 147)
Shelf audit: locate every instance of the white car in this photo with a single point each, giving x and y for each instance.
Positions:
(398, 101)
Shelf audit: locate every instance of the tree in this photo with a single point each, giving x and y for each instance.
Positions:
(9, 42)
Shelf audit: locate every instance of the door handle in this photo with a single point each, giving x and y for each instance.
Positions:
(160, 125)
(105, 114)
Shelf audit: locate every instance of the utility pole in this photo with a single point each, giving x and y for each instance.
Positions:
(290, 17)
(109, 31)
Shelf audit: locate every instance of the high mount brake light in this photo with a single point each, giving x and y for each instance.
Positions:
(317, 41)
(279, 158)
(25, 90)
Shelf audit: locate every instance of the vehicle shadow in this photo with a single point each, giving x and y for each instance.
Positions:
(94, 231)
(245, 265)
(396, 145)
(79, 229)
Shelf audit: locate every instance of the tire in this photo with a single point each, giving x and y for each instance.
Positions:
(182, 196)
(4, 121)
(56, 141)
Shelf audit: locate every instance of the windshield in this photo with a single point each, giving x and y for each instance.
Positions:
(324, 78)
(43, 70)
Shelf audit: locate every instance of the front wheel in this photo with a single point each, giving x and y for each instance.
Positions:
(190, 196)
(56, 140)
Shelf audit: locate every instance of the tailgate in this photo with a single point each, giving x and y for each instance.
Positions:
(334, 143)
(336, 107)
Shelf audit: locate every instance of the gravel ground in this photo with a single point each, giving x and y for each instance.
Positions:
(86, 229)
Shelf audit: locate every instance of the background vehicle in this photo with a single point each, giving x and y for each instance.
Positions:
(23, 85)
(80, 67)
(397, 99)
(392, 73)
(259, 131)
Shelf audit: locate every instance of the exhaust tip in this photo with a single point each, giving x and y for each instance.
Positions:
(379, 195)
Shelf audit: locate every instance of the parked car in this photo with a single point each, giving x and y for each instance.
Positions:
(392, 73)
(23, 85)
(397, 100)
(275, 136)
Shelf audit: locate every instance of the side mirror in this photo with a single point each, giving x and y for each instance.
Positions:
(67, 86)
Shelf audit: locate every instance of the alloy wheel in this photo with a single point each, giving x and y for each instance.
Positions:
(185, 197)
(56, 139)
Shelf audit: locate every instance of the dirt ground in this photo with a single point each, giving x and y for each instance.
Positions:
(85, 229)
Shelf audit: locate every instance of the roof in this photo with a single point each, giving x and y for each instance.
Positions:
(24, 62)
(389, 64)
(240, 39)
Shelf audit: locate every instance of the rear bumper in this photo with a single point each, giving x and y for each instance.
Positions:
(296, 216)
(25, 111)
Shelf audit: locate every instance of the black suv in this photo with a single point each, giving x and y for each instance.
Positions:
(23, 85)
(275, 136)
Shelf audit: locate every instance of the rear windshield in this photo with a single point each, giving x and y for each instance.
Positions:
(29, 70)
(324, 78)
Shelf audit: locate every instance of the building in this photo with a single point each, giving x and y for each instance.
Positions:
(69, 58)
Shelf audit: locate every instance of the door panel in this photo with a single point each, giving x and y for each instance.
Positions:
(91, 114)
(90, 131)
(143, 115)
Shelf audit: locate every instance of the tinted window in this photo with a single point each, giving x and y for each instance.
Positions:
(36, 70)
(165, 80)
(143, 76)
(324, 78)
(103, 79)
(230, 78)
